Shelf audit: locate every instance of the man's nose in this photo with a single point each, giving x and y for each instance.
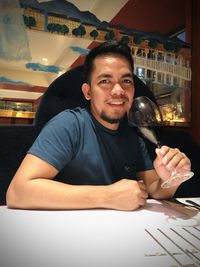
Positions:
(117, 90)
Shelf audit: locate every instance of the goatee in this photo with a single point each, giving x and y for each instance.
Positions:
(110, 119)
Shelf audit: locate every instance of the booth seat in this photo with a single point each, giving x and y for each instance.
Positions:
(65, 93)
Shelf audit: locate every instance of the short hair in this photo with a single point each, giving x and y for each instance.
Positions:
(106, 48)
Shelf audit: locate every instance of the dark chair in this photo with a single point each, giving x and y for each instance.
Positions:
(65, 92)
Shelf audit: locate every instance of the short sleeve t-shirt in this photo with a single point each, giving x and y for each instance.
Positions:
(85, 152)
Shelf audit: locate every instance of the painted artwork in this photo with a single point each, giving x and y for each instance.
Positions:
(40, 40)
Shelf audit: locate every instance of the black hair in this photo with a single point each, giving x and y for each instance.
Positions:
(110, 47)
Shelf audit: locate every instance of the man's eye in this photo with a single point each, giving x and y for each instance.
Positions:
(127, 81)
(104, 81)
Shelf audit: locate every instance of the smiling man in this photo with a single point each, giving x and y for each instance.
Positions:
(112, 84)
(92, 158)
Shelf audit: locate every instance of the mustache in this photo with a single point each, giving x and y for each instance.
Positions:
(118, 98)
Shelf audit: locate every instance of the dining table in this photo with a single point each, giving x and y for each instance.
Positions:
(163, 233)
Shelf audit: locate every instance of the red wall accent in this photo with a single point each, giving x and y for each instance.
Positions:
(152, 15)
(38, 89)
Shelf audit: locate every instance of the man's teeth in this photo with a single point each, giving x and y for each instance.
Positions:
(117, 103)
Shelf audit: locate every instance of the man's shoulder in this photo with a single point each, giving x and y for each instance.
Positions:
(70, 122)
(71, 115)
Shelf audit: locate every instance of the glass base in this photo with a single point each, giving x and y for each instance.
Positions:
(175, 179)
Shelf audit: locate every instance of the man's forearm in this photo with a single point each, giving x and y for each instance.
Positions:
(50, 194)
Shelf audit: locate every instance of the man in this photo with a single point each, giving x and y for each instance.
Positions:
(93, 158)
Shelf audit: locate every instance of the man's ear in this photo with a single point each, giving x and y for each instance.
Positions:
(86, 91)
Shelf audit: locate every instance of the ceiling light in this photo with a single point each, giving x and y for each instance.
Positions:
(44, 59)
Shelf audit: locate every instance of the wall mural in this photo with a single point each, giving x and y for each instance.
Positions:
(29, 29)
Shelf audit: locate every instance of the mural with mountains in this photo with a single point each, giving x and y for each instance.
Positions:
(64, 7)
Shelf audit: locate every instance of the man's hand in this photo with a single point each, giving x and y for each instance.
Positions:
(169, 160)
(127, 195)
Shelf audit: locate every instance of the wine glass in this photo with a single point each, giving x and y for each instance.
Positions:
(146, 115)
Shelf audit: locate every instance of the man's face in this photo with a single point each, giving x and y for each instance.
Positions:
(111, 89)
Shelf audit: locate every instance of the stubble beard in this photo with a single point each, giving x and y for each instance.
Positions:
(112, 120)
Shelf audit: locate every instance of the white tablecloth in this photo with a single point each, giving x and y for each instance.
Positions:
(161, 234)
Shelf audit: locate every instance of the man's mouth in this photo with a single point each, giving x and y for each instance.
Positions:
(116, 103)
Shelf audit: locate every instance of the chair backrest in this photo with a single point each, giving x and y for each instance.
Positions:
(63, 93)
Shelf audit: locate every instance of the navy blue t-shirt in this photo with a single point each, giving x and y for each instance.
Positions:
(85, 152)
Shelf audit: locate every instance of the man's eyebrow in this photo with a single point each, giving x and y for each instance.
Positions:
(127, 75)
(106, 75)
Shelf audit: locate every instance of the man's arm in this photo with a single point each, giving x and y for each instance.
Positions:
(33, 187)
